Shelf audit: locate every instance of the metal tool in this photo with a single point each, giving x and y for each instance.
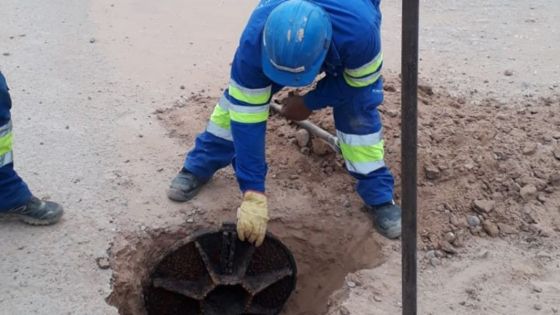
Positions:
(313, 129)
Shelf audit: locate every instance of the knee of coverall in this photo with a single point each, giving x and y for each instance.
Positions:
(5, 101)
(210, 153)
(360, 114)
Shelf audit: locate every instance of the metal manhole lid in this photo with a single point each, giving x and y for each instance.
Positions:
(216, 274)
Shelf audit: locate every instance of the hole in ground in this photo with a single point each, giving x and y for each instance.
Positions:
(325, 250)
(227, 300)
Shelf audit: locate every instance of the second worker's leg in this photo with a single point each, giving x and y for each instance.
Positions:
(15, 198)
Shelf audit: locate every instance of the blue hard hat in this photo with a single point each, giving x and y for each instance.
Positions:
(296, 39)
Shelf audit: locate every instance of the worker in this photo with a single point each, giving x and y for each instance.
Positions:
(15, 198)
(288, 43)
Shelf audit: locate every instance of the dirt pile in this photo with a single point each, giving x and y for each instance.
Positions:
(490, 170)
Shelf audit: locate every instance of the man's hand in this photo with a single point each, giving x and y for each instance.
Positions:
(252, 218)
(294, 108)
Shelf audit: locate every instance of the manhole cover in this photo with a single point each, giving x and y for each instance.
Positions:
(216, 274)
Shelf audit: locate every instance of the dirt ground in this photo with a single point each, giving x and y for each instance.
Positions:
(109, 95)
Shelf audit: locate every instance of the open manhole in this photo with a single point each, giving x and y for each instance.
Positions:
(216, 274)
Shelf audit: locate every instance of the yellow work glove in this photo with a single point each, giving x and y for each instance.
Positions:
(252, 217)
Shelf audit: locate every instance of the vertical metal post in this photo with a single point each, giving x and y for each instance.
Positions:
(409, 127)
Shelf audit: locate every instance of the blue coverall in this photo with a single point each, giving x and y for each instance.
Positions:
(13, 191)
(352, 86)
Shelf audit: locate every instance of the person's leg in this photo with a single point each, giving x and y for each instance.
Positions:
(13, 190)
(212, 151)
(360, 134)
(15, 197)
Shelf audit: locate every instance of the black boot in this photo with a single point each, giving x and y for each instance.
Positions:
(184, 186)
(387, 219)
(37, 212)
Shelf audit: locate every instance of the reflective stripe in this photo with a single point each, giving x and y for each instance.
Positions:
(367, 148)
(225, 111)
(362, 82)
(366, 74)
(6, 143)
(363, 140)
(364, 168)
(224, 103)
(220, 117)
(363, 153)
(227, 105)
(250, 96)
(249, 114)
(248, 109)
(5, 129)
(219, 131)
(6, 159)
(368, 68)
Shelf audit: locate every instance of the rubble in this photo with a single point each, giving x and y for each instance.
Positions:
(490, 228)
(528, 192)
(484, 206)
(473, 220)
(103, 262)
(302, 137)
(319, 147)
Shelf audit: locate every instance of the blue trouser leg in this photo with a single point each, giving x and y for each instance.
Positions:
(209, 154)
(13, 191)
(360, 133)
(214, 148)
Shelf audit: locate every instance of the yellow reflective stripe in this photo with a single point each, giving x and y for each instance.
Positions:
(249, 114)
(220, 117)
(363, 153)
(367, 69)
(6, 143)
(249, 96)
(362, 82)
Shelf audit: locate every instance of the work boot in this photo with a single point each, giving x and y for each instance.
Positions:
(36, 212)
(184, 186)
(387, 218)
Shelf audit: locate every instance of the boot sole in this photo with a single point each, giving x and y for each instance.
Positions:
(180, 196)
(392, 233)
(34, 221)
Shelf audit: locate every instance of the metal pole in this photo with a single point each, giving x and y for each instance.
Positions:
(409, 127)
